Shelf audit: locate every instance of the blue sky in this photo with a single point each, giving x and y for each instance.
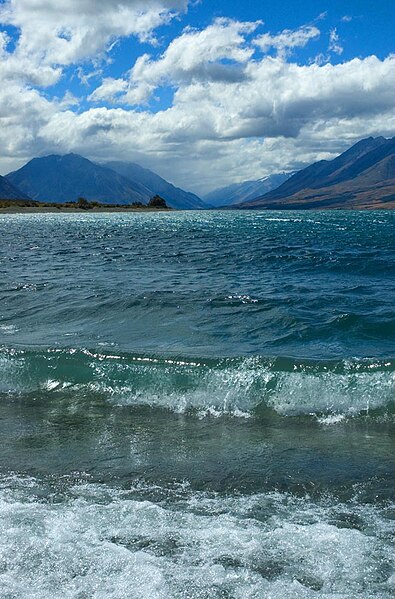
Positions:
(205, 93)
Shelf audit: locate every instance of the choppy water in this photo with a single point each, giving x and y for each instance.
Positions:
(197, 405)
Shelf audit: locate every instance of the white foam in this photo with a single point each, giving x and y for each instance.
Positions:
(101, 543)
(8, 329)
(331, 419)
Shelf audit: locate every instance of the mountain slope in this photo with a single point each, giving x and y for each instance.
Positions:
(174, 196)
(244, 192)
(361, 177)
(10, 192)
(65, 178)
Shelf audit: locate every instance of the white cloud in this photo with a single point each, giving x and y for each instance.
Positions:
(53, 34)
(194, 56)
(287, 40)
(67, 31)
(235, 113)
(334, 42)
(24, 112)
(109, 89)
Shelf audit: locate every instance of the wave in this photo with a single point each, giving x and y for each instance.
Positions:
(245, 386)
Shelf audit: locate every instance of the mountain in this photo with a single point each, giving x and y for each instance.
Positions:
(65, 178)
(244, 192)
(10, 192)
(361, 177)
(174, 196)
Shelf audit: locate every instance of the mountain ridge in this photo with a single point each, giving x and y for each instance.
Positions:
(8, 191)
(57, 178)
(174, 196)
(63, 178)
(361, 177)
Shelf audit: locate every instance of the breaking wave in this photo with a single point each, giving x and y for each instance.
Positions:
(252, 386)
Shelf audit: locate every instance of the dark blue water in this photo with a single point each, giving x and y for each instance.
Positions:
(314, 285)
(197, 405)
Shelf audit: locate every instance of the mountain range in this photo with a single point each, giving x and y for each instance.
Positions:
(61, 179)
(363, 177)
(245, 191)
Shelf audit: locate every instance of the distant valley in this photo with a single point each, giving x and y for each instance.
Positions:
(174, 196)
(245, 191)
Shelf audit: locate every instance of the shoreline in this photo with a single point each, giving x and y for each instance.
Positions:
(50, 210)
(127, 209)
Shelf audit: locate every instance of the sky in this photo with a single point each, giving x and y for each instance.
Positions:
(204, 92)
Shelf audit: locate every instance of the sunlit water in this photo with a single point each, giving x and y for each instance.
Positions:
(197, 405)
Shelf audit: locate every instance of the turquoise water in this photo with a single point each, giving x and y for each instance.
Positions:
(197, 405)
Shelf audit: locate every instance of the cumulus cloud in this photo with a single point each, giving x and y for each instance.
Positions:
(194, 56)
(109, 89)
(67, 31)
(239, 111)
(51, 35)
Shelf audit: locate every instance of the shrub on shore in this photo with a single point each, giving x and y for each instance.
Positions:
(82, 203)
(157, 202)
